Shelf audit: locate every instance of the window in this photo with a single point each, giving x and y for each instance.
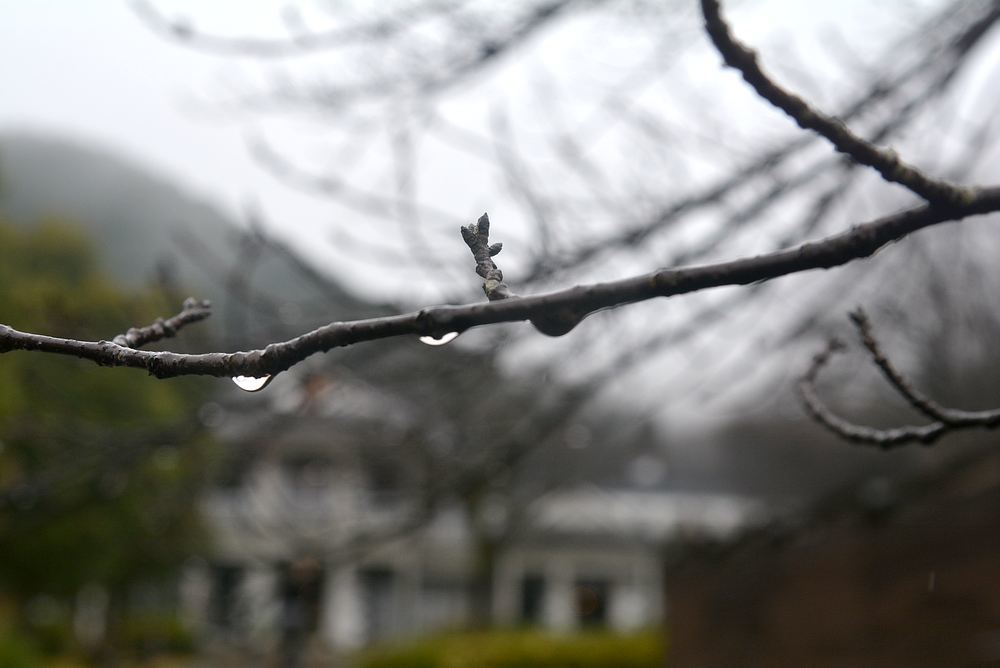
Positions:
(532, 598)
(225, 581)
(301, 594)
(379, 586)
(384, 483)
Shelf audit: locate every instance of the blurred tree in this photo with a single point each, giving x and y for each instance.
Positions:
(98, 471)
(619, 145)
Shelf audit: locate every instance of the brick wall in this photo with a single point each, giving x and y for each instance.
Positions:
(903, 578)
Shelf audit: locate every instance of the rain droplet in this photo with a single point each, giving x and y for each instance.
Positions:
(558, 324)
(252, 383)
(447, 338)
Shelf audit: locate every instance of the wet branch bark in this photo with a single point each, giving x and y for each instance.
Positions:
(191, 311)
(885, 162)
(569, 306)
(945, 420)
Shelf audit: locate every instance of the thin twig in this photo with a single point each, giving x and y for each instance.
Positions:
(477, 238)
(192, 311)
(946, 420)
(917, 399)
(399, 20)
(855, 433)
(942, 53)
(885, 162)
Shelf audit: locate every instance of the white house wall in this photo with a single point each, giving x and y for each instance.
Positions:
(632, 572)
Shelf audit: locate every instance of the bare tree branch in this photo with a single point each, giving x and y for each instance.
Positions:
(946, 420)
(465, 61)
(886, 163)
(553, 313)
(192, 311)
(556, 313)
(400, 19)
(917, 399)
(944, 50)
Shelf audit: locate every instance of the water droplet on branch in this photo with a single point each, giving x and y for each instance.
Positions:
(558, 323)
(447, 338)
(252, 383)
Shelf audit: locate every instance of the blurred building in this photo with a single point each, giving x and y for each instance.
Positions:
(316, 534)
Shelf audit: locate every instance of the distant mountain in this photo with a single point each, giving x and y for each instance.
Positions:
(140, 220)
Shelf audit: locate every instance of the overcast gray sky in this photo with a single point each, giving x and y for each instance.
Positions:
(94, 71)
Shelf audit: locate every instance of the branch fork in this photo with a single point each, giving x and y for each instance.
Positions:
(943, 420)
(192, 311)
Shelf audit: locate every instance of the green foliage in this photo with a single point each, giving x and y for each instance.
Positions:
(18, 652)
(149, 634)
(52, 635)
(99, 468)
(52, 285)
(522, 649)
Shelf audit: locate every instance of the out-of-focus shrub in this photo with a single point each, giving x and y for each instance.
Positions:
(18, 652)
(522, 649)
(156, 634)
(100, 470)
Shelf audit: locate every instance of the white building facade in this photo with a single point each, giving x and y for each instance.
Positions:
(291, 563)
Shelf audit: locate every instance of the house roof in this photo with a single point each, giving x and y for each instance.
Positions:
(647, 515)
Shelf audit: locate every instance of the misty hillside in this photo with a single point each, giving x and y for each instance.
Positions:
(141, 221)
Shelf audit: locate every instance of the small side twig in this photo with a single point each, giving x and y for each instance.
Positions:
(192, 311)
(917, 399)
(945, 420)
(885, 162)
(554, 322)
(477, 238)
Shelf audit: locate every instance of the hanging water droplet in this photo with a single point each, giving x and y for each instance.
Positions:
(252, 383)
(558, 322)
(447, 338)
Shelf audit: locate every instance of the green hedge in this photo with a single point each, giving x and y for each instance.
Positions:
(16, 652)
(522, 649)
(156, 634)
